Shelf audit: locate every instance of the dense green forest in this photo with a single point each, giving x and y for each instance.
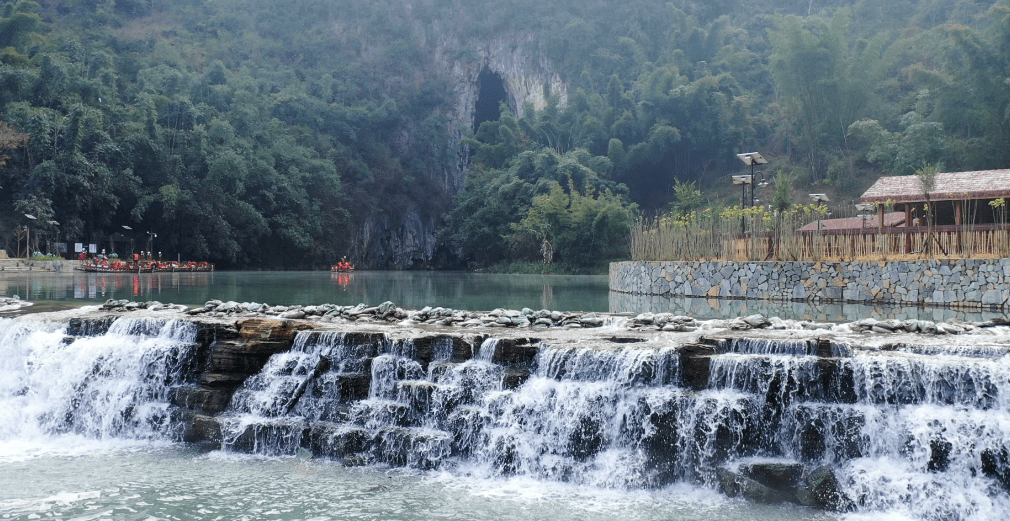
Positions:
(264, 134)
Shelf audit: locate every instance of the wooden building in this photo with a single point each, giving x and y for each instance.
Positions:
(958, 198)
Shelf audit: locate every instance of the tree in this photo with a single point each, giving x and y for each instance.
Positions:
(926, 176)
(826, 84)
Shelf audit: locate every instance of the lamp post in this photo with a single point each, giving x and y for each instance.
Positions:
(127, 228)
(150, 241)
(818, 199)
(743, 181)
(750, 159)
(864, 208)
(50, 242)
(28, 236)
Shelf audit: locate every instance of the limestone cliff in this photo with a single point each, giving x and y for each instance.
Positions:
(407, 238)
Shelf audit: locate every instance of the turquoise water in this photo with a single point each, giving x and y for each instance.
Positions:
(410, 289)
(416, 289)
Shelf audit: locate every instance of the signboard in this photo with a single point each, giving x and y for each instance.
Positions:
(92, 248)
(78, 247)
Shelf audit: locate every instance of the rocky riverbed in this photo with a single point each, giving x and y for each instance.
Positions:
(389, 313)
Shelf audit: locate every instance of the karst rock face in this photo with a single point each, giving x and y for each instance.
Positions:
(405, 237)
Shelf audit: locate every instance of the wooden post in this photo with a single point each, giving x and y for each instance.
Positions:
(908, 224)
(880, 216)
(959, 220)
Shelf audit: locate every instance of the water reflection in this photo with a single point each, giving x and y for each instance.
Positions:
(717, 308)
(416, 289)
(411, 289)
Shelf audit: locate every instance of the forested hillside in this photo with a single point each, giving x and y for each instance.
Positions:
(285, 134)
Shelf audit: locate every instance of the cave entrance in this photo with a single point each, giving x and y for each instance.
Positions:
(489, 97)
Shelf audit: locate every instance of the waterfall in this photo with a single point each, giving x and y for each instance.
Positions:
(921, 431)
(113, 385)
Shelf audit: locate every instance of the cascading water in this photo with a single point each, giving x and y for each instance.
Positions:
(925, 435)
(114, 385)
(920, 431)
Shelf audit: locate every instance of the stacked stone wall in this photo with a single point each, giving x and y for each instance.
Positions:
(955, 283)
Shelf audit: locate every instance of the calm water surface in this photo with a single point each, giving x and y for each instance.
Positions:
(416, 289)
(410, 289)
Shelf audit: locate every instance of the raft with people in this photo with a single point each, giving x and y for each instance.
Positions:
(139, 264)
(343, 265)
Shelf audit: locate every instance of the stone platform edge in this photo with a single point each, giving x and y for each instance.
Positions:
(60, 266)
(970, 284)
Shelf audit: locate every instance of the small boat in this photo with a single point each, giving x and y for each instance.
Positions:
(342, 266)
(143, 266)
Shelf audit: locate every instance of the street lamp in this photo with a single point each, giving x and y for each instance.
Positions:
(49, 242)
(819, 198)
(28, 237)
(864, 208)
(750, 159)
(127, 228)
(150, 240)
(743, 181)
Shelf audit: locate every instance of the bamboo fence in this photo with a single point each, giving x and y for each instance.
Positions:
(755, 234)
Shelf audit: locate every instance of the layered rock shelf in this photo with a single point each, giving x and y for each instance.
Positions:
(762, 408)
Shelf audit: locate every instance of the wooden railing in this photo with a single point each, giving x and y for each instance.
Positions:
(983, 241)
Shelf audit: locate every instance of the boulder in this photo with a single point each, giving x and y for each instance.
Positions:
(820, 489)
(779, 476)
(733, 485)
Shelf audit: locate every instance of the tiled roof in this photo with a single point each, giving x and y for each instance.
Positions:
(950, 186)
(853, 223)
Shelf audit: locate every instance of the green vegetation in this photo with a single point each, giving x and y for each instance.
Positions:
(259, 133)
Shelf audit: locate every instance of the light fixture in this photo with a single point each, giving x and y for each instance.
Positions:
(752, 158)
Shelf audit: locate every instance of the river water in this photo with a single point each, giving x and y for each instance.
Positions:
(416, 289)
(85, 431)
(106, 481)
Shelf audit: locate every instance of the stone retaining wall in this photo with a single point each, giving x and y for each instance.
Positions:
(64, 266)
(955, 283)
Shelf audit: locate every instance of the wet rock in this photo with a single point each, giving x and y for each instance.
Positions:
(208, 400)
(295, 314)
(820, 489)
(695, 362)
(812, 445)
(332, 441)
(939, 454)
(89, 326)
(358, 460)
(757, 321)
(734, 485)
(782, 477)
(197, 428)
(587, 439)
(516, 352)
(227, 307)
(515, 377)
(996, 465)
